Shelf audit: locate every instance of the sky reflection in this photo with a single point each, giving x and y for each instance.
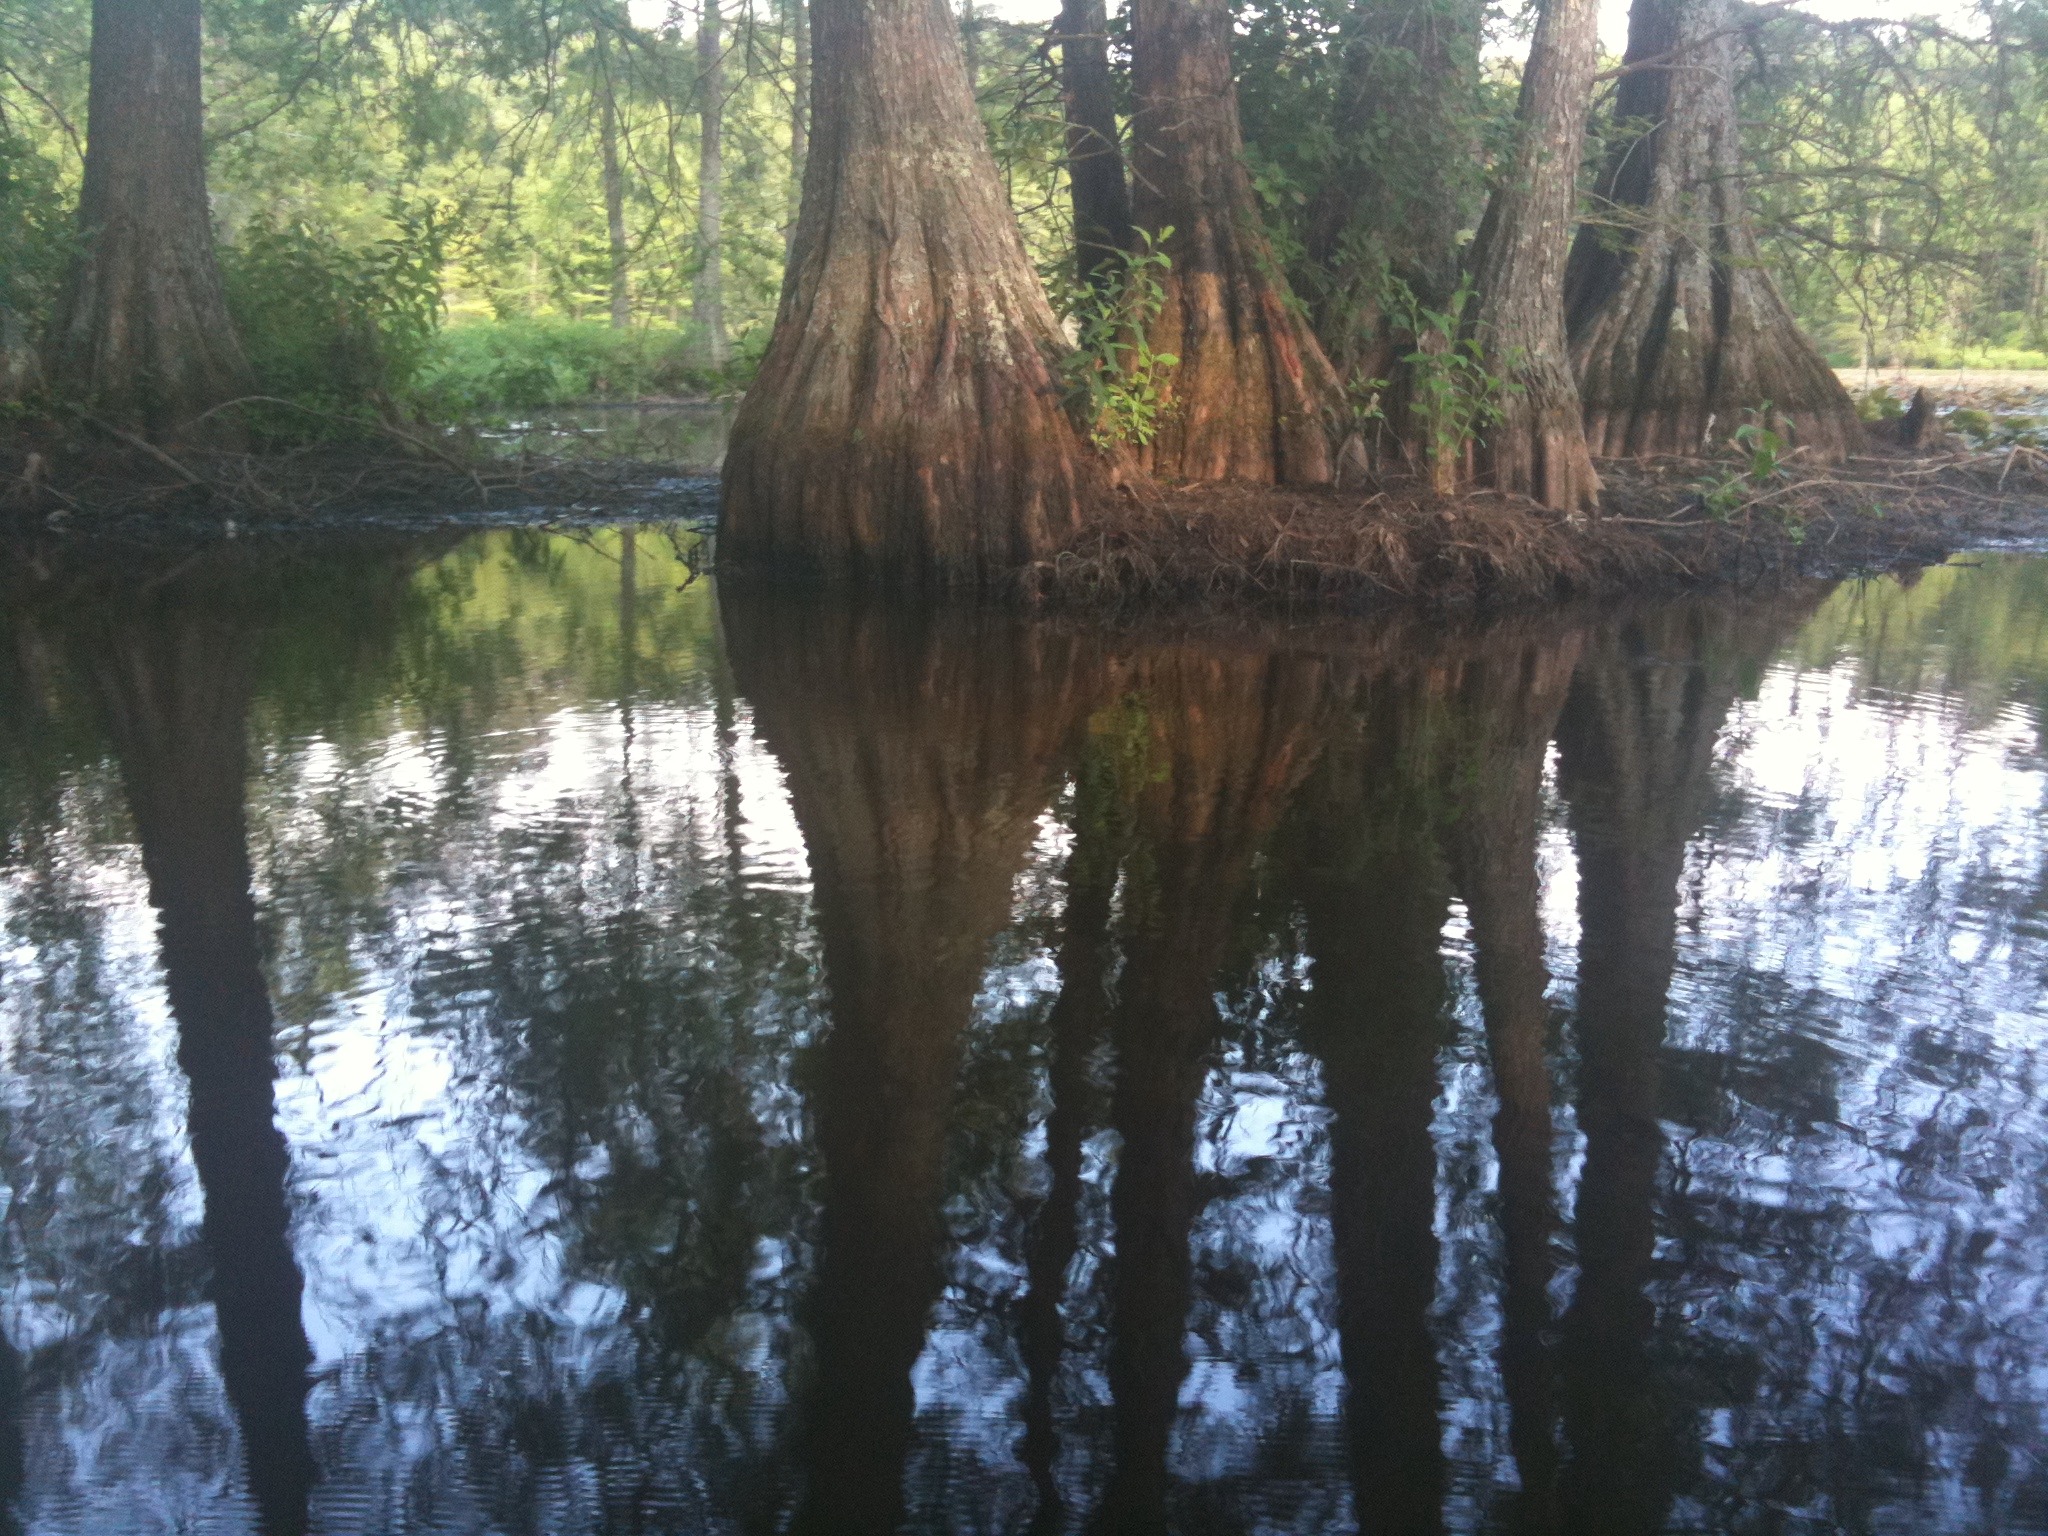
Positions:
(504, 1037)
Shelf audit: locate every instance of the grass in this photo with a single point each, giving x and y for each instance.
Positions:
(482, 367)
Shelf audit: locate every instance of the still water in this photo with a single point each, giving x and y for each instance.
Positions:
(502, 1037)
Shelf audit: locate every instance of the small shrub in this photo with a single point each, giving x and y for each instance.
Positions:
(1116, 382)
(343, 332)
(486, 368)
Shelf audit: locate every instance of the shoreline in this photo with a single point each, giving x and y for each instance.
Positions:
(1668, 525)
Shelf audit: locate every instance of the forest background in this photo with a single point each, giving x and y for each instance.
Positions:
(464, 207)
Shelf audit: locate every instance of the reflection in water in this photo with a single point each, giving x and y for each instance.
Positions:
(1635, 747)
(1375, 895)
(510, 1038)
(1225, 739)
(174, 688)
(919, 752)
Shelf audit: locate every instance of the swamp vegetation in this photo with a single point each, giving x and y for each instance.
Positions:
(983, 284)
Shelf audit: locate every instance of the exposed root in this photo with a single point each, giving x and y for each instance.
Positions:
(1237, 544)
(1261, 546)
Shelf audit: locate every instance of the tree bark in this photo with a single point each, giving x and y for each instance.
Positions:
(707, 293)
(1096, 179)
(1676, 328)
(1253, 397)
(908, 423)
(614, 188)
(142, 333)
(1538, 448)
(1405, 181)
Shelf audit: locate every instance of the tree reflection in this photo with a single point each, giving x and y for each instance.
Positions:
(1636, 743)
(920, 749)
(1074, 1031)
(1231, 733)
(1504, 701)
(1375, 893)
(174, 685)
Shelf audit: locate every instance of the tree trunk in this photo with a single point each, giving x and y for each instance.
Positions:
(1253, 397)
(970, 44)
(614, 188)
(2037, 287)
(1676, 327)
(174, 690)
(142, 332)
(799, 111)
(18, 370)
(1537, 448)
(707, 294)
(908, 422)
(1405, 182)
(1096, 180)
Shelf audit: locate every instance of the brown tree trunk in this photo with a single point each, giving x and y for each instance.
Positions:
(1538, 448)
(920, 751)
(1253, 397)
(1676, 328)
(1506, 705)
(1405, 183)
(614, 188)
(174, 690)
(1096, 179)
(142, 332)
(908, 422)
(707, 292)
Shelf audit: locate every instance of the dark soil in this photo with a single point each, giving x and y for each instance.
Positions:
(1658, 529)
(134, 494)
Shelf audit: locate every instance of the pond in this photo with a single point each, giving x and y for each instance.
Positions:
(501, 1036)
(690, 435)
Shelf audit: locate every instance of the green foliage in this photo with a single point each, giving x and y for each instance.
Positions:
(1452, 397)
(1899, 173)
(342, 331)
(1761, 467)
(483, 367)
(1116, 381)
(35, 225)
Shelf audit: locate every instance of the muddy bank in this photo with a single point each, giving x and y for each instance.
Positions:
(1664, 525)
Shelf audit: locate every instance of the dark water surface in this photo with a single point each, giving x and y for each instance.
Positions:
(499, 1037)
